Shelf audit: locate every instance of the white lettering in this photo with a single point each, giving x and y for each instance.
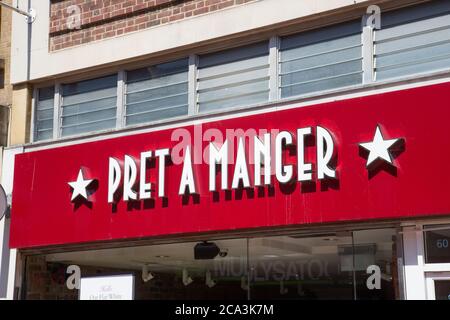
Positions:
(303, 169)
(262, 156)
(144, 187)
(114, 178)
(187, 176)
(129, 178)
(282, 172)
(325, 150)
(218, 156)
(241, 170)
(161, 155)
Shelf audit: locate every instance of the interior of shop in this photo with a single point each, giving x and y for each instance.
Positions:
(292, 266)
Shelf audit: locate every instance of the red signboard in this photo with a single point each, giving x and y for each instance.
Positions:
(382, 156)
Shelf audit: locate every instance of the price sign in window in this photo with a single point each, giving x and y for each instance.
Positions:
(437, 244)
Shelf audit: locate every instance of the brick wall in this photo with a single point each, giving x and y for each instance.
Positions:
(102, 19)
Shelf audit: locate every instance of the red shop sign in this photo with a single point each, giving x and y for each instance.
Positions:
(376, 157)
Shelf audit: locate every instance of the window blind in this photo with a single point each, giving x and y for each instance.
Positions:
(44, 110)
(157, 92)
(321, 60)
(89, 105)
(236, 77)
(413, 40)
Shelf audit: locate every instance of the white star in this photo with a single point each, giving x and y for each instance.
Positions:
(79, 186)
(379, 148)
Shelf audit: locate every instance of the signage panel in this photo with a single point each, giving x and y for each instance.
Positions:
(120, 287)
(382, 156)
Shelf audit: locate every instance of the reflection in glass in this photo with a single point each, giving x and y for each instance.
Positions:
(437, 244)
(294, 266)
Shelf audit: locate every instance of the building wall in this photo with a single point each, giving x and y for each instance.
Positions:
(149, 30)
(45, 50)
(5, 85)
(8, 259)
(20, 114)
(161, 41)
(115, 32)
(106, 19)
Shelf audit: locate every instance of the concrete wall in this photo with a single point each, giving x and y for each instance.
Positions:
(159, 40)
(77, 22)
(20, 114)
(8, 257)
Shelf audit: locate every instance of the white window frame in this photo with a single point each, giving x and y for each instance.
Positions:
(368, 51)
(416, 270)
(192, 85)
(57, 112)
(34, 102)
(274, 69)
(121, 99)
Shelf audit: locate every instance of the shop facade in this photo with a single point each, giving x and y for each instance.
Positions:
(294, 159)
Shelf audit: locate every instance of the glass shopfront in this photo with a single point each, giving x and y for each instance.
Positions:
(338, 265)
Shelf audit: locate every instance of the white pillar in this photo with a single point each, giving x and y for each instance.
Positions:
(413, 264)
(7, 256)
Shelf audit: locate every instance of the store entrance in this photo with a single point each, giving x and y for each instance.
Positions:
(338, 265)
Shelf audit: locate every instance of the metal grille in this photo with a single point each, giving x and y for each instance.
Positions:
(157, 92)
(321, 60)
(236, 77)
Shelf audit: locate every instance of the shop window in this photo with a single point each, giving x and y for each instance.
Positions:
(89, 105)
(413, 41)
(43, 113)
(170, 271)
(376, 251)
(157, 92)
(321, 60)
(231, 78)
(294, 266)
(328, 266)
(437, 244)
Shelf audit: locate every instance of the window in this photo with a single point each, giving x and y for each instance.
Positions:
(263, 267)
(328, 266)
(413, 40)
(321, 60)
(89, 105)
(236, 77)
(43, 129)
(437, 244)
(157, 92)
